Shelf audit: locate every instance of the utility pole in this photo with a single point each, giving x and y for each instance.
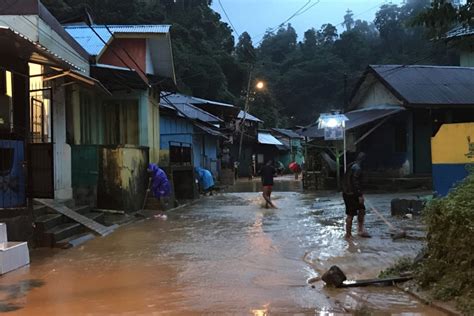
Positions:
(246, 109)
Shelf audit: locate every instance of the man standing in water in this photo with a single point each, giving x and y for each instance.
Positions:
(268, 172)
(354, 198)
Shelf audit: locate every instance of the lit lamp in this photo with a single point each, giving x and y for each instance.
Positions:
(334, 125)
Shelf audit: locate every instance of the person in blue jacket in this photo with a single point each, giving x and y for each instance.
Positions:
(206, 181)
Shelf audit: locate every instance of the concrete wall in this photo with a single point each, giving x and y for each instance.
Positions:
(452, 151)
(62, 150)
(149, 123)
(467, 58)
(122, 178)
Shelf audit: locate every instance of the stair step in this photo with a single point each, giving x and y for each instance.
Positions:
(82, 209)
(61, 232)
(41, 210)
(87, 222)
(74, 240)
(95, 216)
(48, 221)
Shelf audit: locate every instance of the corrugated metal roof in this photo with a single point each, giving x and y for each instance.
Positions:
(356, 119)
(249, 117)
(180, 102)
(287, 132)
(92, 43)
(429, 85)
(22, 43)
(460, 31)
(204, 101)
(209, 130)
(268, 139)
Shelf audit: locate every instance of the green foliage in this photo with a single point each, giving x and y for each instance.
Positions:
(449, 267)
(303, 77)
(401, 266)
(443, 15)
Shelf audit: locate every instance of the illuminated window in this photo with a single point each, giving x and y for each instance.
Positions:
(40, 106)
(6, 94)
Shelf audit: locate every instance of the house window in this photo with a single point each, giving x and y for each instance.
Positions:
(400, 141)
(121, 122)
(6, 94)
(40, 106)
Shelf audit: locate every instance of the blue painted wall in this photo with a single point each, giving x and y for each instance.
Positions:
(12, 174)
(175, 129)
(205, 150)
(447, 176)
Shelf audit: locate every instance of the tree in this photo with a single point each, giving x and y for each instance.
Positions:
(276, 47)
(310, 42)
(244, 49)
(349, 20)
(443, 15)
(327, 34)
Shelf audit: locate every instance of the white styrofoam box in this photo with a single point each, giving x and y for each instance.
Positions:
(3, 232)
(13, 255)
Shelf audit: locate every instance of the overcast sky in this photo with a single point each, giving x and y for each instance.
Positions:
(256, 16)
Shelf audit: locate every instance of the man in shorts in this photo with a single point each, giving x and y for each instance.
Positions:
(267, 173)
(354, 198)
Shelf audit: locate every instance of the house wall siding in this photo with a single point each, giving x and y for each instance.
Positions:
(62, 150)
(173, 129)
(135, 47)
(377, 95)
(467, 58)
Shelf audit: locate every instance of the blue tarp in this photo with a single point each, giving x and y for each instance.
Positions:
(160, 186)
(205, 178)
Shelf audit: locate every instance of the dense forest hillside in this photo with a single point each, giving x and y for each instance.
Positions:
(304, 75)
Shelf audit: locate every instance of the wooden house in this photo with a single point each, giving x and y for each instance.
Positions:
(114, 136)
(394, 112)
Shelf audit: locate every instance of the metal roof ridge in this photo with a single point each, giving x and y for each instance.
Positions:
(421, 66)
(81, 25)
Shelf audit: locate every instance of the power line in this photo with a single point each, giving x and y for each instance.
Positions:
(228, 19)
(298, 12)
(364, 12)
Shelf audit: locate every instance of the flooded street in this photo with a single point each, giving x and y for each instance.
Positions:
(222, 255)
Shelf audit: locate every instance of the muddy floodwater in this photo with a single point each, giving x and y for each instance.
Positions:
(223, 255)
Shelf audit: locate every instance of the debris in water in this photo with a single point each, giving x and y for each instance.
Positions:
(161, 216)
(335, 277)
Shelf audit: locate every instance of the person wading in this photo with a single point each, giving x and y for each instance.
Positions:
(267, 173)
(354, 198)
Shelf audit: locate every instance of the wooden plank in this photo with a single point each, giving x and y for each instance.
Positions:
(81, 219)
(359, 283)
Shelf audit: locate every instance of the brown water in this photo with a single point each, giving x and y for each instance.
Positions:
(223, 255)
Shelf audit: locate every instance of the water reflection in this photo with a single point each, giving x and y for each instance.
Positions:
(223, 255)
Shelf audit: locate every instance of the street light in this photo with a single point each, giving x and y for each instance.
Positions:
(334, 125)
(259, 85)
